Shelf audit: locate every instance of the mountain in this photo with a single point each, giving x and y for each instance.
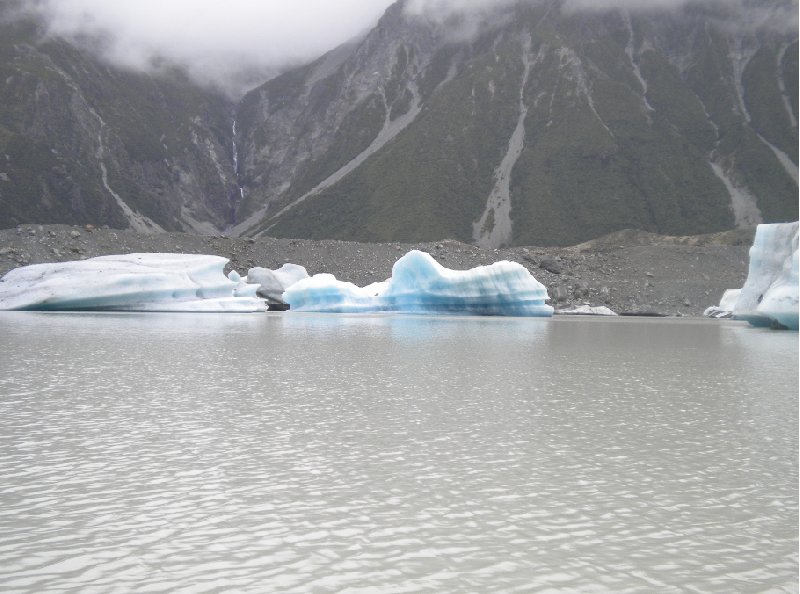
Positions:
(84, 142)
(535, 124)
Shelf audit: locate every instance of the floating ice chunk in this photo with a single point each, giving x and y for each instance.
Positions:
(134, 282)
(272, 283)
(770, 294)
(726, 305)
(420, 284)
(587, 310)
(324, 293)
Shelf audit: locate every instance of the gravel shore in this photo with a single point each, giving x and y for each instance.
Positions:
(627, 271)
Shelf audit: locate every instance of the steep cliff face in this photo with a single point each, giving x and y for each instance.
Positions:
(543, 126)
(82, 142)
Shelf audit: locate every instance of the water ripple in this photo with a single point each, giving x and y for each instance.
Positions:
(384, 454)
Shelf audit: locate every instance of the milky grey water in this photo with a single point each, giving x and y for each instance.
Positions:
(312, 453)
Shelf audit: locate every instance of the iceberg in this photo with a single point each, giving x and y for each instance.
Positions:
(133, 282)
(272, 283)
(769, 296)
(419, 284)
(726, 305)
(587, 310)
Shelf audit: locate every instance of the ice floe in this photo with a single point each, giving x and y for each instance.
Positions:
(133, 282)
(272, 283)
(726, 305)
(419, 284)
(586, 310)
(769, 296)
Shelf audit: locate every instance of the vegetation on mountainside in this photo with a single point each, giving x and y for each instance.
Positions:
(765, 102)
(789, 72)
(625, 115)
(433, 179)
(599, 155)
(64, 116)
(354, 136)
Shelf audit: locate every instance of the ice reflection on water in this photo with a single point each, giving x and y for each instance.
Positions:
(310, 453)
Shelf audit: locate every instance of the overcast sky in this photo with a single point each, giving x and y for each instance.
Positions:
(212, 36)
(215, 38)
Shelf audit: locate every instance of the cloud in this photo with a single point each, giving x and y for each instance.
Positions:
(597, 5)
(444, 8)
(761, 10)
(237, 43)
(216, 41)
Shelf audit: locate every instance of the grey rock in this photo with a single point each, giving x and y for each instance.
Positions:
(581, 290)
(558, 294)
(550, 264)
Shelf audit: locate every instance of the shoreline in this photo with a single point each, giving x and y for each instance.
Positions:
(630, 272)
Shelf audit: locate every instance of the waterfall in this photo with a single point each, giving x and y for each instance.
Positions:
(235, 150)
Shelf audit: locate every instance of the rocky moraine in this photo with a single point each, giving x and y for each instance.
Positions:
(628, 271)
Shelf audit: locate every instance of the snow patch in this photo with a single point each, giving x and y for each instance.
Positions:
(586, 310)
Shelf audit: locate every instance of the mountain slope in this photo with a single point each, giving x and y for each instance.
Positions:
(546, 127)
(533, 124)
(83, 142)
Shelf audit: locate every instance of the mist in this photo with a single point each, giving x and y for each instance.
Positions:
(219, 43)
(443, 8)
(238, 44)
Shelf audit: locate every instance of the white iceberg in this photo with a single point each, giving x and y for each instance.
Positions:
(769, 296)
(726, 305)
(133, 282)
(419, 284)
(272, 283)
(587, 310)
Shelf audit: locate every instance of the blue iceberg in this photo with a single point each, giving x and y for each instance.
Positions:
(419, 284)
(133, 282)
(769, 296)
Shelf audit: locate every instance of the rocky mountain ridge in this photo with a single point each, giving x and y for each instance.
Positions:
(83, 141)
(534, 125)
(546, 126)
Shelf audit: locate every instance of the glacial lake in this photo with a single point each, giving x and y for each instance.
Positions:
(322, 453)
